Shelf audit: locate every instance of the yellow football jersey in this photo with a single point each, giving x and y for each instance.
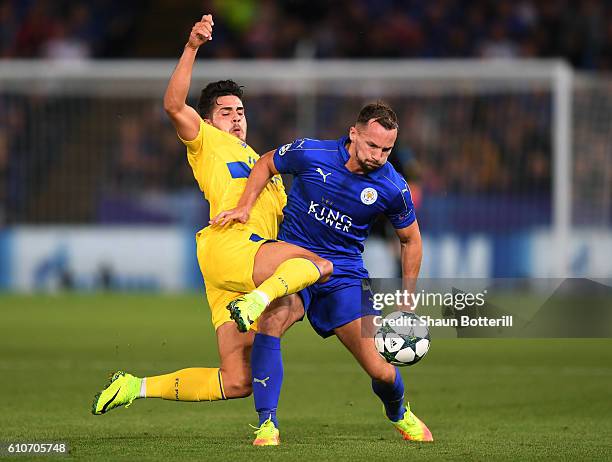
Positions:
(221, 164)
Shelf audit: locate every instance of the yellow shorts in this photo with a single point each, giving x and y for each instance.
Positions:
(226, 258)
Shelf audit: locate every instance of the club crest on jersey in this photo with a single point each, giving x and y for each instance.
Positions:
(369, 196)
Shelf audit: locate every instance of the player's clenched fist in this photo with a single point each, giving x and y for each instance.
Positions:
(201, 32)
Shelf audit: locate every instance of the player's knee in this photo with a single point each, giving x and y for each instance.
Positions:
(382, 372)
(273, 323)
(326, 268)
(239, 391)
(238, 387)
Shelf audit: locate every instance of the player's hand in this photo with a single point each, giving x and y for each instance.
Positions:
(201, 32)
(239, 214)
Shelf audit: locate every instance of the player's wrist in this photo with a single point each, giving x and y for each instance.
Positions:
(191, 47)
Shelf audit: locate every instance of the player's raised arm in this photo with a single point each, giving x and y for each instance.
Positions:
(185, 118)
(261, 173)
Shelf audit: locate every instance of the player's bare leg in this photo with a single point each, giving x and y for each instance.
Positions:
(235, 354)
(280, 315)
(280, 269)
(358, 337)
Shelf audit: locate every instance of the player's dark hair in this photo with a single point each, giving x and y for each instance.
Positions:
(214, 90)
(381, 112)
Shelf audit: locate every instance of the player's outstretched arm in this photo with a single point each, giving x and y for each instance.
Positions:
(411, 254)
(262, 171)
(185, 119)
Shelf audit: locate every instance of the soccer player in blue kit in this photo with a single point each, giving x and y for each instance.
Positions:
(340, 187)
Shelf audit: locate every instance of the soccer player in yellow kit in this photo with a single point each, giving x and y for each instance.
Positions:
(242, 259)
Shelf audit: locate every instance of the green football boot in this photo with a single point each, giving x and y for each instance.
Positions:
(412, 428)
(267, 434)
(122, 389)
(245, 310)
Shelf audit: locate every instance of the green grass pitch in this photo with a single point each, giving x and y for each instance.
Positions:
(483, 399)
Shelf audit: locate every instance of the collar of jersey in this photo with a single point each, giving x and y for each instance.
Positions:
(345, 157)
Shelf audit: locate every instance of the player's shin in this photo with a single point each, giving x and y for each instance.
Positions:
(392, 396)
(267, 370)
(192, 384)
(290, 277)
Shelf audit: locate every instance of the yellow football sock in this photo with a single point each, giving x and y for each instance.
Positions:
(290, 277)
(192, 384)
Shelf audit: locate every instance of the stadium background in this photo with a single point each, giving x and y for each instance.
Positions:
(505, 138)
(84, 143)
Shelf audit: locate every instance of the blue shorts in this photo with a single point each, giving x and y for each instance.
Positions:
(337, 302)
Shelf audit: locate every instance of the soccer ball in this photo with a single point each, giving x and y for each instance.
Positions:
(403, 339)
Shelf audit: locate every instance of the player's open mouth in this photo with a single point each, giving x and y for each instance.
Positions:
(236, 130)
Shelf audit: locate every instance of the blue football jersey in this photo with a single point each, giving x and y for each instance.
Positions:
(330, 210)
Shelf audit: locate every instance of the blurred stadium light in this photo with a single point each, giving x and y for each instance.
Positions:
(509, 162)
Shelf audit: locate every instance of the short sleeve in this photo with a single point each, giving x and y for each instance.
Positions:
(290, 158)
(199, 145)
(401, 209)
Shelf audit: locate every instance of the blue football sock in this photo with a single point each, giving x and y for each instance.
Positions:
(267, 370)
(392, 396)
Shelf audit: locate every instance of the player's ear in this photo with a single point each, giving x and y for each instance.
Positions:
(207, 121)
(352, 133)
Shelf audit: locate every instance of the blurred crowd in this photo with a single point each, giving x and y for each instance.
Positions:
(83, 159)
(451, 143)
(126, 148)
(64, 29)
(446, 145)
(581, 32)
